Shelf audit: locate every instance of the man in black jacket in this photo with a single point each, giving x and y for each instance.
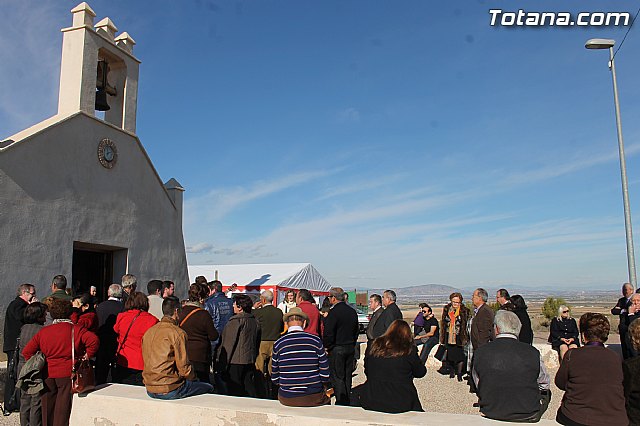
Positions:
(107, 313)
(13, 322)
(512, 382)
(375, 304)
(340, 336)
(390, 314)
(622, 309)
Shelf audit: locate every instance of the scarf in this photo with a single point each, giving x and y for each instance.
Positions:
(453, 315)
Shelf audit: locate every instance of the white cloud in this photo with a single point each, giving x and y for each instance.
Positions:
(349, 115)
(199, 248)
(220, 202)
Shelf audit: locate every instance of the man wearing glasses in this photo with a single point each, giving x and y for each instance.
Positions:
(430, 335)
(12, 323)
(340, 336)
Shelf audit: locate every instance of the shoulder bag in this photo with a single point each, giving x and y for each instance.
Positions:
(83, 379)
(190, 313)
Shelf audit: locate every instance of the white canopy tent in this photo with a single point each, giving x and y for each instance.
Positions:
(254, 278)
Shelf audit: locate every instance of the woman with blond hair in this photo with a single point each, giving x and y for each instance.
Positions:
(454, 336)
(391, 364)
(563, 332)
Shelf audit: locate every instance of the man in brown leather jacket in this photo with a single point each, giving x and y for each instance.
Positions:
(167, 372)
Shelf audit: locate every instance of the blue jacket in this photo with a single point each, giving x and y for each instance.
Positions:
(220, 308)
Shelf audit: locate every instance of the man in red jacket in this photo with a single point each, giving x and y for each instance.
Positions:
(306, 302)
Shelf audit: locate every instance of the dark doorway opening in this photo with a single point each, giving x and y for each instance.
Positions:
(93, 265)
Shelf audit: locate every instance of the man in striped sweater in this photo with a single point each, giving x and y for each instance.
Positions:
(300, 364)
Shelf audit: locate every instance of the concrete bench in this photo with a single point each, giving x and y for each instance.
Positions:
(124, 405)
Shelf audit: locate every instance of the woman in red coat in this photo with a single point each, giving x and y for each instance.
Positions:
(130, 327)
(83, 313)
(54, 341)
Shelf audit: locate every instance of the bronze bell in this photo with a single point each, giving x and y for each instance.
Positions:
(103, 87)
(101, 100)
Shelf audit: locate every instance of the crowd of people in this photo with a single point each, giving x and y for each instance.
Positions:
(303, 355)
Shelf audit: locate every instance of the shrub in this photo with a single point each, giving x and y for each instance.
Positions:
(550, 307)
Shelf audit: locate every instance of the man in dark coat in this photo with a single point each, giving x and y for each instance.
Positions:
(375, 304)
(482, 322)
(632, 315)
(107, 313)
(506, 360)
(622, 309)
(390, 314)
(340, 336)
(13, 322)
(481, 326)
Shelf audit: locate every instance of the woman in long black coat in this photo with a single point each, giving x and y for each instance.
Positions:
(519, 308)
(390, 365)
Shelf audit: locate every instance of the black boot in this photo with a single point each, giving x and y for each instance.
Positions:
(459, 371)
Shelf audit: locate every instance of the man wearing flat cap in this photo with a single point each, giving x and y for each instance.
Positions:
(300, 364)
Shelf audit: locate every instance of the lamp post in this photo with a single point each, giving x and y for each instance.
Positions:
(599, 43)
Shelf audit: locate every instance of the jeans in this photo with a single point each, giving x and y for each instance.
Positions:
(426, 348)
(189, 388)
(341, 360)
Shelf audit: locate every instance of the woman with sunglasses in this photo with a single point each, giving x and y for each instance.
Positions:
(563, 332)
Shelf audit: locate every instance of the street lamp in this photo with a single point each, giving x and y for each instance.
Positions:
(600, 43)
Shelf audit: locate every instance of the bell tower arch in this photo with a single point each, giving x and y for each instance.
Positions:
(98, 70)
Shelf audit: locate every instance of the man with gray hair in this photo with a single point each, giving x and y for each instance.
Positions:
(107, 313)
(271, 326)
(129, 284)
(482, 321)
(511, 379)
(390, 314)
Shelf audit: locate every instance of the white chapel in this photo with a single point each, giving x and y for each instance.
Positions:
(79, 195)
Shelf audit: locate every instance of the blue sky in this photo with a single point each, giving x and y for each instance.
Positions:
(388, 143)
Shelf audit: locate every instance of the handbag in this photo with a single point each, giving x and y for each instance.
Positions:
(83, 379)
(441, 353)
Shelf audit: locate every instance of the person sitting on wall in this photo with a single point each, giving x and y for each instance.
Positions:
(390, 365)
(300, 365)
(592, 378)
(511, 379)
(563, 332)
(167, 371)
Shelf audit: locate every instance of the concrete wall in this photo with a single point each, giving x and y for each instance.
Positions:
(120, 405)
(54, 191)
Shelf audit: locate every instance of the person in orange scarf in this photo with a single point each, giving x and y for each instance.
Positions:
(454, 336)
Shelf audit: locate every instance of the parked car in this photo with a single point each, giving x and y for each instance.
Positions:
(363, 318)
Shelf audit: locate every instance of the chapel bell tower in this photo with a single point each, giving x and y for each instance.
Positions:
(98, 71)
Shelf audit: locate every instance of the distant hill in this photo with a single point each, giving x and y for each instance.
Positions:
(425, 290)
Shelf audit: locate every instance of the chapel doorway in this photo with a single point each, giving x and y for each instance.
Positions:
(96, 265)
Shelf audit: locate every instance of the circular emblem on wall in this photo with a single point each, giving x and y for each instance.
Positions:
(107, 153)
